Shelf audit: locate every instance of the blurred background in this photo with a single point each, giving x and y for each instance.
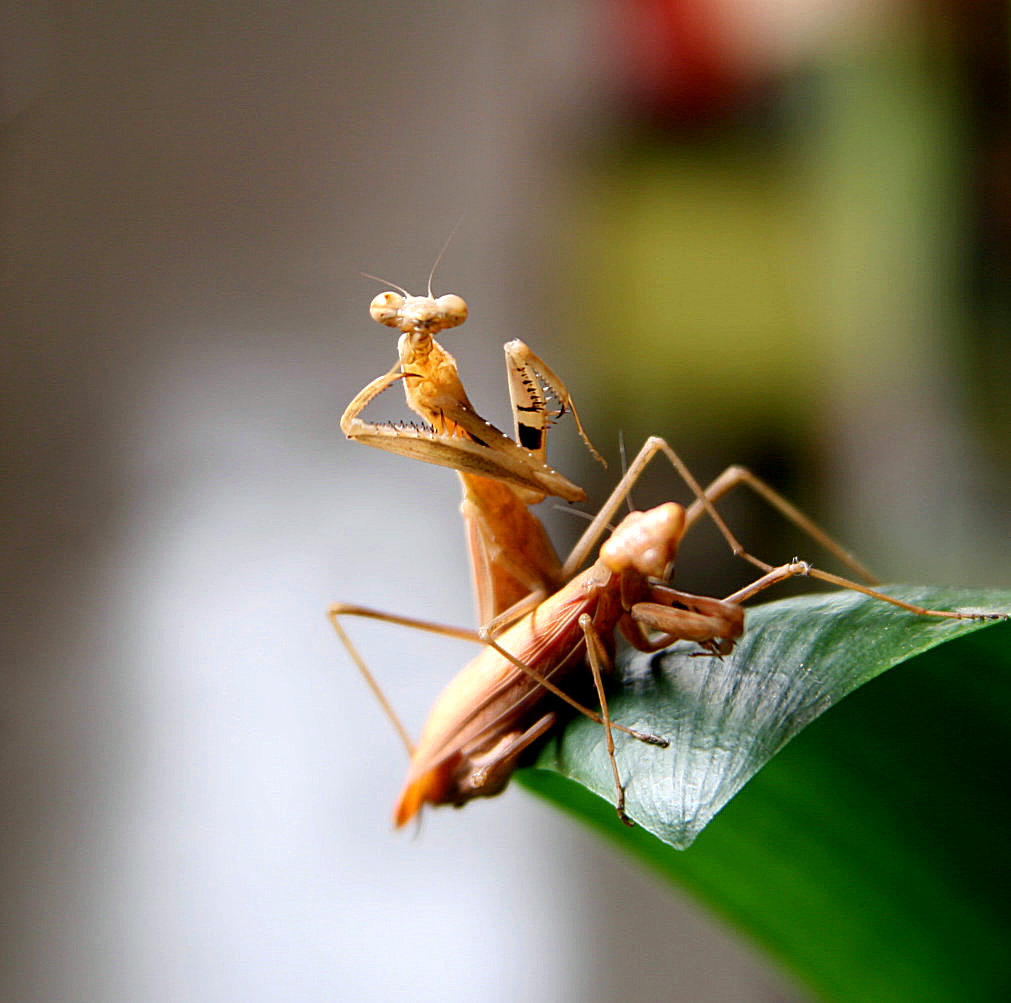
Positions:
(774, 231)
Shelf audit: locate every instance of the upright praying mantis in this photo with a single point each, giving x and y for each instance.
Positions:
(513, 561)
(553, 619)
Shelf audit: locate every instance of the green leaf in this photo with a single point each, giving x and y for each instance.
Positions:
(870, 855)
(726, 717)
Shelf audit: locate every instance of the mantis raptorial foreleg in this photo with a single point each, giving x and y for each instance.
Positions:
(455, 435)
(514, 563)
(529, 377)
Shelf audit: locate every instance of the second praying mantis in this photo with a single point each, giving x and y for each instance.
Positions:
(540, 621)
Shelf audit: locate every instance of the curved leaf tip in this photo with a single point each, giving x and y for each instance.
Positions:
(726, 717)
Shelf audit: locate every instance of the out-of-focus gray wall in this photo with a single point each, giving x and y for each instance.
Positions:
(196, 785)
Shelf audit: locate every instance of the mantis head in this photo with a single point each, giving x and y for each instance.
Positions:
(645, 542)
(423, 315)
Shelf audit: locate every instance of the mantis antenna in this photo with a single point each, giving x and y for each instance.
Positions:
(445, 247)
(431, 275)
(386, 282)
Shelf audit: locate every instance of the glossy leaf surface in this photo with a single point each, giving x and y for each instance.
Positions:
(870, 854)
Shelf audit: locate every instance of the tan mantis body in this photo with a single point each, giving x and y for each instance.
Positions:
(493, 711)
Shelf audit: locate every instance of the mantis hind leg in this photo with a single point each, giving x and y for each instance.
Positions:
(338, 610)
(704, 504)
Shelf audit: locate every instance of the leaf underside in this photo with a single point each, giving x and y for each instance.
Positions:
(870, 855)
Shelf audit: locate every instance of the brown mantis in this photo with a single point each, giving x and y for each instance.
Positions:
(494, 710)
(514, 564)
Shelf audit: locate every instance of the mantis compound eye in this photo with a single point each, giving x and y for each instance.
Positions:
(453, 310)
(386, 308)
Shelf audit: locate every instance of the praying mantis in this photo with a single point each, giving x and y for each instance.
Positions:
(541, 621)
(513, 562)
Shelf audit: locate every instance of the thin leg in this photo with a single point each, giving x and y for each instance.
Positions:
(653, 445)
(596, 656)
(338, 610)
(704, 504)
(542, 680)
(944, 614)
(795, 568)
(497, 624)
(373, 685)
(445, 630)
(780, 574)
(735, 475)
